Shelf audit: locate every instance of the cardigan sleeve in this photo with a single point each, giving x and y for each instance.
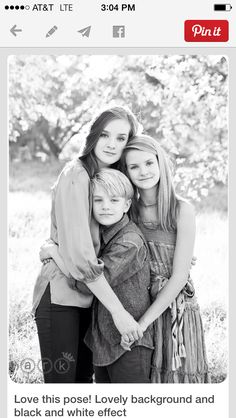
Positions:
(73, 222)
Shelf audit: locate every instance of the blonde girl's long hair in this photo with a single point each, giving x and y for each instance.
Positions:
(167, 200)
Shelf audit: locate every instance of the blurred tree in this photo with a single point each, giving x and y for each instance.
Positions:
(179, 99)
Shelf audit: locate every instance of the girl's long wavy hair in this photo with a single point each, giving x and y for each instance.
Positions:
(88, 157)
(167, 199)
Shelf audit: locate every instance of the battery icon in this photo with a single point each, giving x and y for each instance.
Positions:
(222, 7)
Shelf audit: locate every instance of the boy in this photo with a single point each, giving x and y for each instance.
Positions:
(126, 268)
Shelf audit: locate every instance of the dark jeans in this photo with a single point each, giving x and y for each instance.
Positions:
(132, 367)
(61, 330)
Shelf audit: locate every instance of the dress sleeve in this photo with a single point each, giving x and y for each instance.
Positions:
(72, 213)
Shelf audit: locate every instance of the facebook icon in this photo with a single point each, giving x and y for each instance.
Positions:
(118, 31)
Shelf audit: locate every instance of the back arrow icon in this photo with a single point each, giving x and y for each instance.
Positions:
(14, 30)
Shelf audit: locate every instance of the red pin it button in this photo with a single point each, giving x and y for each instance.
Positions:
(206, 30)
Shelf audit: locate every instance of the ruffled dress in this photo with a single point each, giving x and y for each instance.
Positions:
(179, 355)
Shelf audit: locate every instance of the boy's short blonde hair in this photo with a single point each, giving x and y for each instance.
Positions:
(113, 182)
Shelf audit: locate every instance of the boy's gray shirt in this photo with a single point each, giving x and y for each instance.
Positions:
(127, 269)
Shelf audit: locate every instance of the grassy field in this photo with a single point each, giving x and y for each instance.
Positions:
(29, 217)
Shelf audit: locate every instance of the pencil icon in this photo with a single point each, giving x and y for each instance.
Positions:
(51, 31)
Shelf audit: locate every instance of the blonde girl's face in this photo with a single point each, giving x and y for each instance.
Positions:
(112, 142)
(143, 169)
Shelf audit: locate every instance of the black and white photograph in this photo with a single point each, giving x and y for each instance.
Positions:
(118, 218)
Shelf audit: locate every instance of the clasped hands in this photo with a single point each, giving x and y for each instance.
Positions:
(127, 339)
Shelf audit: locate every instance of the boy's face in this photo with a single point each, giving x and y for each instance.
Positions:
(108, 210)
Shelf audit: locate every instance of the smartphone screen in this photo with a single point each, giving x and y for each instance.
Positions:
(116, 123)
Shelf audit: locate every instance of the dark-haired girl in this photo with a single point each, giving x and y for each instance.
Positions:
(61, 304)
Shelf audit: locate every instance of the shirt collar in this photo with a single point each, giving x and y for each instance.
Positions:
(109, 232)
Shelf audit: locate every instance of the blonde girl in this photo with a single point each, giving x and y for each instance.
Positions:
(168, 224)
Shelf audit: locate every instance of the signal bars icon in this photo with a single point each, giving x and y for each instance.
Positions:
(17, 7)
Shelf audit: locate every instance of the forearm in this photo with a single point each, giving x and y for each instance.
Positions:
(164, 299)
(103, 291)
(181, 265)
(100, 287)
(123, 321)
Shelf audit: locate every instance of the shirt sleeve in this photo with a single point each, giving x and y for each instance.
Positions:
(123, 260)
(73, 220)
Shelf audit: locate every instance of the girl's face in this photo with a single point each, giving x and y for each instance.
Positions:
(143, 169)
(112, 142)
